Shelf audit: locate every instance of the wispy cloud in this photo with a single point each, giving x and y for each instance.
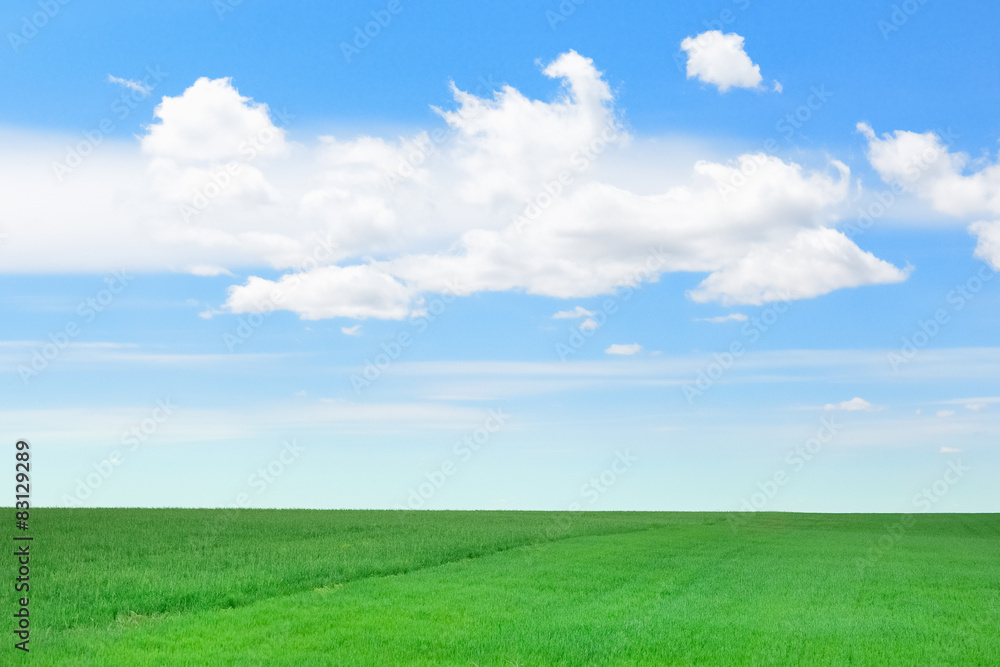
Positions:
(731, 317)
(137, 86)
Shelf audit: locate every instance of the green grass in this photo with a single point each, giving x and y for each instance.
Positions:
(271, 587)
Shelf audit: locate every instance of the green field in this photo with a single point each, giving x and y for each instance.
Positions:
(290, 587)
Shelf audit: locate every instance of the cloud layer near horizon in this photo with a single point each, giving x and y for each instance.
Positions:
(504, 197)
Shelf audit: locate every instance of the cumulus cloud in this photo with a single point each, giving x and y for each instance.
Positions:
(953, 184)
(853, 405)
(358, 292)
(625, 350)
(491, 135)
(719, 59)
(504, 197)
(212, 122)
(814, 261)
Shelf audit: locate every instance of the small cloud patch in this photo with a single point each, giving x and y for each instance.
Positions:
(625, 350)
(719, 59)
(577, 312)
(854, 405)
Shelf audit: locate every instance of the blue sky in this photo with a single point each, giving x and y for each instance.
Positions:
(737, 144)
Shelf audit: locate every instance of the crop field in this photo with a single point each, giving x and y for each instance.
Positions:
(291, 587)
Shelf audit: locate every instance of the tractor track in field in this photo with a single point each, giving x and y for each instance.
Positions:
(132, 619)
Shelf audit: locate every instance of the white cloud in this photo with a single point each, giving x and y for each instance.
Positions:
(212, 122)
(351, 331)
(922, 164)
(951, 182)
(539, 138)
(589, 325)
(369, 226)
(975, 407)
(764, 242)
(950, 450)
(626, 350)
(988, 246)
(855, 404)
(945, 413)
(731, 317)
(137, 86)
(719, 59)
(579, 311)
(815, 261)
(359, 292)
